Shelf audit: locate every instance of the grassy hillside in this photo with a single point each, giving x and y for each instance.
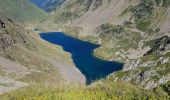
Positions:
(104, 90)
(21, 10)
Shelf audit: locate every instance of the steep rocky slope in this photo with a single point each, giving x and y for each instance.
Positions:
(21, 10)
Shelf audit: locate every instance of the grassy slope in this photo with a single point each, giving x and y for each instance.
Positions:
(21, 10)
(105, 90)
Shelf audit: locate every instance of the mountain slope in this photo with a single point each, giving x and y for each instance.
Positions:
(48, 5)
(21, 10)
(135, 32)
(52, 5)
(104, 90)
(25, 59)
(89, 14)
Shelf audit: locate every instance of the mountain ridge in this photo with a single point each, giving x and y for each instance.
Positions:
(48, 5)
(21, 11)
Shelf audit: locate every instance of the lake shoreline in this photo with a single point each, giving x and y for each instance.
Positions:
(76, 37)
(78, 77)
(83, 56)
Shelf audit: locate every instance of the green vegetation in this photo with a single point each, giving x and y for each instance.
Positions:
(128, 24)
(158, 44)
(121, 74)
(143, 25)
(165, 3)
(164, 69)
(97, 4)
(115, 39)
(109, 28)
(99, 91)
(166, 87)
(143, 11)
(167, 54)
(2, 72)
(65, 17)
(151, 57)
(74, 9)
(21, 10)
(158, 2)
(85, 4)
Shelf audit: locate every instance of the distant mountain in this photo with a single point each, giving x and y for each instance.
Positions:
(48, 5)
(21, 10)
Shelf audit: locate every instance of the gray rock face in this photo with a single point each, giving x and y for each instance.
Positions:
(150, 85)
(160, 44)
(164, 60)
(5, 42)
(2, 24)
(11, 34)
(130, 65)
(167, 47)
(164, 79)
(148, 73)
(152, 72)
(149, 63)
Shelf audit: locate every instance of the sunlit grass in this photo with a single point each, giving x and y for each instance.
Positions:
(105, 90)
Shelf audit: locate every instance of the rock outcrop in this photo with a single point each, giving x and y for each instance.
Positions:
(12, 34)
(160, 44)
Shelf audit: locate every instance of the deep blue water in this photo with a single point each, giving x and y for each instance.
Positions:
(82, 54)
